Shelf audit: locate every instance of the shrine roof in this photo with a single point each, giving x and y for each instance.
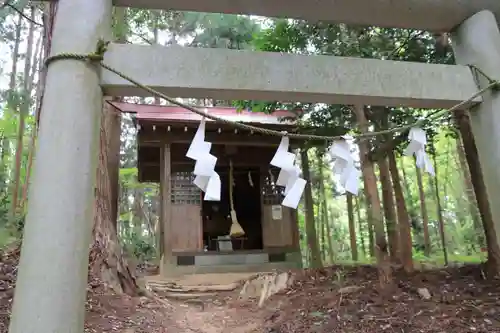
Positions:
(174, 114)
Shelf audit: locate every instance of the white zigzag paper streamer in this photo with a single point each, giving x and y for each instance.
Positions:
(343, 166)
(289, 174)
(206, 178)
(416, 147)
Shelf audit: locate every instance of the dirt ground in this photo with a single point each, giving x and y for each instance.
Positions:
(336, 299)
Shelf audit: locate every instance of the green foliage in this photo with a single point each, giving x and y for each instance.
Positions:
(140, 247)
(6, 237)
(282, 36)
(224, 31)
(4, 208)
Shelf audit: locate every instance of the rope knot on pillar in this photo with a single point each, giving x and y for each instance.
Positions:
(495, 84)
(95, 57)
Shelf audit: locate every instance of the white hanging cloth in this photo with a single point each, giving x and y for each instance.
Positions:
(343, 166)
(416, 147)
(289, 175)
(206, 178)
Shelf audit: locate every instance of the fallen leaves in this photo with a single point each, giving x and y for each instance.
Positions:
(336, 299)
(454, 300)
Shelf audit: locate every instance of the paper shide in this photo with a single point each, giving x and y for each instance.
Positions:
(416, 147)
(206, 178)
(289, 175)
(343, 165)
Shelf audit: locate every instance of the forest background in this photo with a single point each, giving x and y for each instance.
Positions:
(429, 220)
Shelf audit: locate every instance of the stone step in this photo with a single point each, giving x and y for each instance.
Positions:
(172, 287)
(188, 296)
(249, 268)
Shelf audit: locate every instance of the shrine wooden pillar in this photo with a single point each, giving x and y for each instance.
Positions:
(165, 208)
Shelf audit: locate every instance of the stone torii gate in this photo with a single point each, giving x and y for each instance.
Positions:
(52, 278)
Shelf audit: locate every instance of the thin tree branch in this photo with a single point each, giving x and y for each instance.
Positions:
(143, 38)
(20, 12)
(404, 44)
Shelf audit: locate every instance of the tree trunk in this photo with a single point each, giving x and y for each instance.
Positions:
(12, 106)
(15, 58)
(389, 208)
(373, 200)
(352, 227)
(107, 260)
(410, 205)
(36, 68)
(469, 190)
(138, 217)
(114, 125)
(369, 226)
(328, 230)
(23, 112)
(44, 51)
(360, 226)
(312, 240)
(320, 218)
(326, 219)
(434, 180)
(405, 242)
(423, 211)
(463, 122)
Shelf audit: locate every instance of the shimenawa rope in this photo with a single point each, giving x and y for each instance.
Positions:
(98, 56)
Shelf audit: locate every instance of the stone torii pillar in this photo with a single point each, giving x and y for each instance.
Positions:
(477, 42)
(51, 284)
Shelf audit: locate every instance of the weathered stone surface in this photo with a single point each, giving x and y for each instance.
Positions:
(52, 279)
(229, 74)
(266, 285)
(424, 293)
(477, 42)
(348, 289)
(435, 15)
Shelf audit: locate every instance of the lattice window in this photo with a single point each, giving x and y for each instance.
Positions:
(183, 189)
(271, 193)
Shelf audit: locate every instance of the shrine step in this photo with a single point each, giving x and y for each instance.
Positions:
(195, 286)
(248, 268)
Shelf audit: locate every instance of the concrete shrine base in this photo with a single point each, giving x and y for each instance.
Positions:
(201, 263)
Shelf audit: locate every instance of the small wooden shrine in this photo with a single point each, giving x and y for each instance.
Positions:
(194, 232)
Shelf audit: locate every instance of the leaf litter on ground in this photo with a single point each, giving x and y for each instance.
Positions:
(334, 299)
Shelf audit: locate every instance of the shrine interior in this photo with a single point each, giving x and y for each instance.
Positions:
(247, 202)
